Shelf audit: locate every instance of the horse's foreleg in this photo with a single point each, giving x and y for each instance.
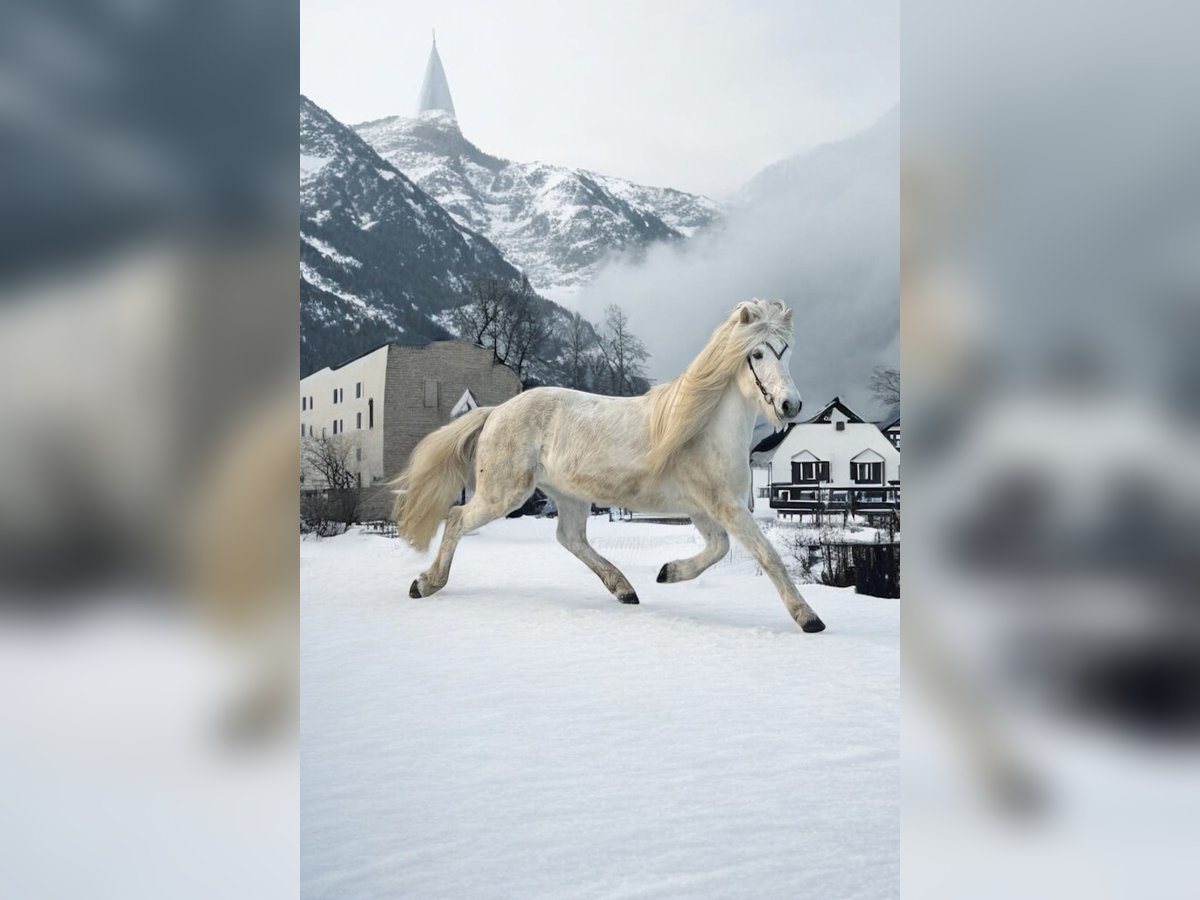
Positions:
(716, 545)
(572, 534)
(737, 519)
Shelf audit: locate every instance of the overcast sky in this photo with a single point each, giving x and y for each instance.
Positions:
(694, 95)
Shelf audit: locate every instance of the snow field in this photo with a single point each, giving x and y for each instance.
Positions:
(522, 734)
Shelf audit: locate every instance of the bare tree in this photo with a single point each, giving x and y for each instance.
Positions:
(623, 354)
(326, 460)
(505, 320)
(522, 329)
(885, 385)
(579, 353)
(476, 319)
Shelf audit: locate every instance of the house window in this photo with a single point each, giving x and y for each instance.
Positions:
(866, 472)
(304, 403)
(371, 413)
(310, 431)
(310, 402)
(431, 392)
(322, 432)
(358, 420)
(335, 431)
(301, 429)
(841, 426)
(810, 472)
(357, 389)
(339, 394)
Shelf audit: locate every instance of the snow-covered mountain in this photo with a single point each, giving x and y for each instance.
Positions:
(557, 224)
(379, 259)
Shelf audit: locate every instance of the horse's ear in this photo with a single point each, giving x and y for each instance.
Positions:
(747, 313)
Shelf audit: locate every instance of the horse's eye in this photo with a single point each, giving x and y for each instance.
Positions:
(758, 354)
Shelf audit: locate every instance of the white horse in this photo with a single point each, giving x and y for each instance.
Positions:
(684, 447)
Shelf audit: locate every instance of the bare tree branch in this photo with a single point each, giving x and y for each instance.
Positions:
(885, 385)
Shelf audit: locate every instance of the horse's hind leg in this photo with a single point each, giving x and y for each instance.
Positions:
(716, 545)
(572, 534)
(494, 497)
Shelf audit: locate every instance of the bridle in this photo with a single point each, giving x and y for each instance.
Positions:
(770, 398)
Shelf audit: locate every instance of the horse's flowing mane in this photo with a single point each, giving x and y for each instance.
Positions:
(679, 409)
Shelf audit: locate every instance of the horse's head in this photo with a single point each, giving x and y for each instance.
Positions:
(764, 330)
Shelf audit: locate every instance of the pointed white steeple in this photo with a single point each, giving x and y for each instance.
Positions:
(435, 90)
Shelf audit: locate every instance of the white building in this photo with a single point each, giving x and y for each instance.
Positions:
(381, 404)
(834, 462)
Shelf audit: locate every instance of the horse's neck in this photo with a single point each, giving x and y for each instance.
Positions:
(732, 427)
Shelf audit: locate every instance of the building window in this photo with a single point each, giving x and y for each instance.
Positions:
(335, 426)
(431, 392)
(371, 413)
(357, 390)
(358, 421)
(301, 429)
(322, 432)
(358, 453)
(841, 426)
(866, 472)
(310, 402)
(310, 431)
(304, 403)
(339, 394)
(810, 472)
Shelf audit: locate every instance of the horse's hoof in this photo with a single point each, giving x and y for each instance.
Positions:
(663, 574)
(414, 591)
(631, 598)
(813, 625)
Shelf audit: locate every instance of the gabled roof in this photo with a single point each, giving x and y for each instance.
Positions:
(895, 423)
(835, 403)
(465, 404)
(828, 444)
(771, 441)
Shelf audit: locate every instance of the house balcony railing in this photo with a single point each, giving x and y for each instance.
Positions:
(821, 498)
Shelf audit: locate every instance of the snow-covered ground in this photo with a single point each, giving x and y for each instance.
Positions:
(522, 734)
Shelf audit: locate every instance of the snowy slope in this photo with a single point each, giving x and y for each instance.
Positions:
(379, 259)
(521, 734)
(557, 224)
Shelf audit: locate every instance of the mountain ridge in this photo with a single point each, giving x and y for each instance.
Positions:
(559, 224)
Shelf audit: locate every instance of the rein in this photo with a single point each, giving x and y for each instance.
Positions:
(770, 398)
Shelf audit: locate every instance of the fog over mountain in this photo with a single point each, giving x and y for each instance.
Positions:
(819, 230)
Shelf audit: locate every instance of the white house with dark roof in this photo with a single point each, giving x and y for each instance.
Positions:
(834, 462)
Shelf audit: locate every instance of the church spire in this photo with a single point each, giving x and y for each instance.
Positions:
(435, 90)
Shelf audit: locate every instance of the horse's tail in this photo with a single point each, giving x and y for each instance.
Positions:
(436, 474)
